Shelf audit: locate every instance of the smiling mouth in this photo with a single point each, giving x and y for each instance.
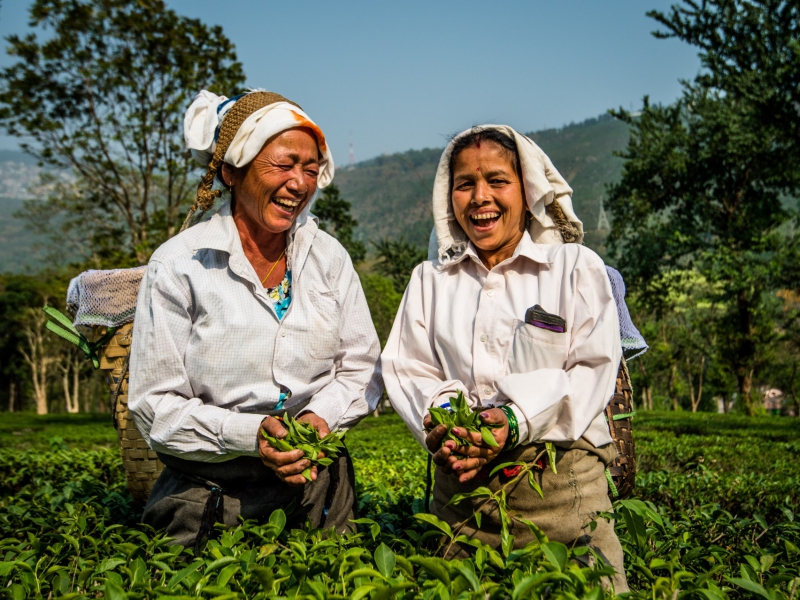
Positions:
(486, 219)
(286, 204)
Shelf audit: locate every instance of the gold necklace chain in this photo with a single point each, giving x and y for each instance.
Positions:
(273, 266)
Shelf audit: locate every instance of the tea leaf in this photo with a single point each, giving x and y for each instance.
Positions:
(384, 560)
(436, 522)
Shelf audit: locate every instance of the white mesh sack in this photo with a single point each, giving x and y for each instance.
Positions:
(632, 340)
(105, 298)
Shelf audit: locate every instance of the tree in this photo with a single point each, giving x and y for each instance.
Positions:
(751, 52)
(705, 186)
(101, 91)
(334, 216)
(383, 301)
(39, 353)
(18, 293)
(69, 365)
(397, 258)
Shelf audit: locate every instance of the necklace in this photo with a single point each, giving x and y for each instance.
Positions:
(273, 266)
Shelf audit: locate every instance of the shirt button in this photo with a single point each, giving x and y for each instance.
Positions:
(484, 337)
(490, 293)
(488, 391)
(283, 334)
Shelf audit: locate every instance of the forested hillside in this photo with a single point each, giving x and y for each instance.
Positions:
(391, 194)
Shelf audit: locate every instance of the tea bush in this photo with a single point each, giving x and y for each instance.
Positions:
(713, 516)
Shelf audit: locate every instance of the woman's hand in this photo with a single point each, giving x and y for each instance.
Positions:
(462, 460)
(288, 466)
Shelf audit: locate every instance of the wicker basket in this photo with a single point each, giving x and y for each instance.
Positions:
(142, 466)
(619, 414)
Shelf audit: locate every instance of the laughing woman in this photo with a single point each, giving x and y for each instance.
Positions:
(526, 327)
(252, 313)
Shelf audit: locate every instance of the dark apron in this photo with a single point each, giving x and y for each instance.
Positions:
(189, 496)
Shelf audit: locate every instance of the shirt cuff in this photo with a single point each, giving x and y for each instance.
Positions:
(240, 433)
(539, 410)
(327, 409)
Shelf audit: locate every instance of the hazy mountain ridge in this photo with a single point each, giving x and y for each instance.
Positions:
(391, 194)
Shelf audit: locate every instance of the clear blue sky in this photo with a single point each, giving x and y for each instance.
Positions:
(401, 75)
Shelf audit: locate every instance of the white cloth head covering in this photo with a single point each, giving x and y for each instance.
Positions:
(201, 129)
(542, 182)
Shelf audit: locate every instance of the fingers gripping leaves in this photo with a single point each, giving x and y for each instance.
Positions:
(302, 436)
(462, 416)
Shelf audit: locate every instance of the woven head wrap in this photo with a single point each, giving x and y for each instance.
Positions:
(234, 130)
(547, 194)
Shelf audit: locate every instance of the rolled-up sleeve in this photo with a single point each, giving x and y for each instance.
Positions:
(562, 404)
(161, 399)
(414, 377)
(356, 387)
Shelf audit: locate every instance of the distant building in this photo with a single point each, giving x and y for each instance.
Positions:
(773, 401)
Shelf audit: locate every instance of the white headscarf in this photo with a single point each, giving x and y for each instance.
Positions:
(201, 128)
(542, 182)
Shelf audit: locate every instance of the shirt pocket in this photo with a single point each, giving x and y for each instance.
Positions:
(536, 348)
(324, 314)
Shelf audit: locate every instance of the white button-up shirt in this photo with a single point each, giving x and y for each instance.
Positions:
(461, 327)
(209, 352)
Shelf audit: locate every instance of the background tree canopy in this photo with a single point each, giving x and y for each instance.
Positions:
(710, 182)
(102, 90)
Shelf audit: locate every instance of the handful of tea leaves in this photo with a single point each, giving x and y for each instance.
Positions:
(302, 436)
(462, 416)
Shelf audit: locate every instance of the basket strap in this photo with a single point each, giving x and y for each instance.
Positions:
(63, 327)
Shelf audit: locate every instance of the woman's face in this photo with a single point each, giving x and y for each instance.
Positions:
(274, 188)
(488, 199)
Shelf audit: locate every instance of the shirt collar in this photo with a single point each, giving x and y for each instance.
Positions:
(220, 232)
(540, 253)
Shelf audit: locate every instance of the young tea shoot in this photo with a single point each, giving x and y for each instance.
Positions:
(462, 416)
(302, 436)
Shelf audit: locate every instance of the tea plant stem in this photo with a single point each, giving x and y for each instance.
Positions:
(494, 497)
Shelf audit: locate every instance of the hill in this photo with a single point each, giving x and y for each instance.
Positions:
(391, 194)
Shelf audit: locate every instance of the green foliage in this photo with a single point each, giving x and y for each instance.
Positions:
(383, 300)
(100, 87)
(751, 51)
(334, 216)
(302, 436)
(397, 259)
(707, 182)
(714, 516)
(461, 415)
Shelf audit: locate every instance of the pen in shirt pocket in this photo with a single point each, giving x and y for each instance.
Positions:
(539, 317)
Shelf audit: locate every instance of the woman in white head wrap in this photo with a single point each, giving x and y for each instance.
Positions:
(252, 313)
(525, 326)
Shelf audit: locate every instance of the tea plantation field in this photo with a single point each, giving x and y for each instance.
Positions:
(716, 514)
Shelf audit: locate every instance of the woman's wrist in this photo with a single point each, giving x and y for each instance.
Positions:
(512, 441)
